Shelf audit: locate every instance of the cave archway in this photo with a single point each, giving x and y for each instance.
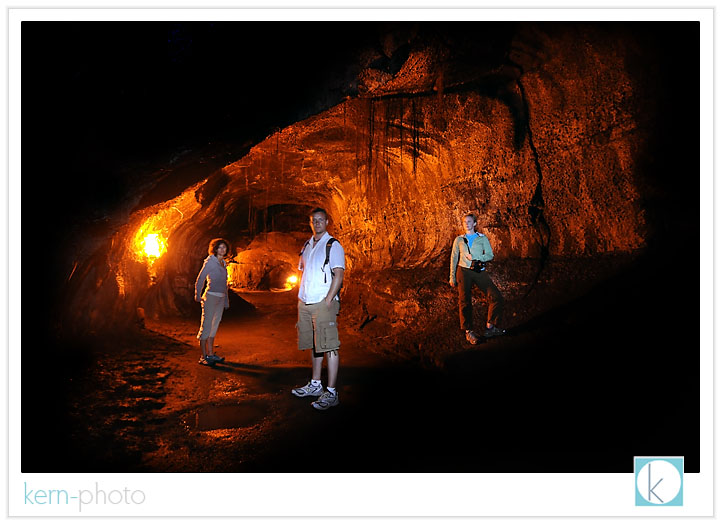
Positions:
(397, 166)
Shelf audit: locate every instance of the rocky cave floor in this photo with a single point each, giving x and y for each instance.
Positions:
(414, 396)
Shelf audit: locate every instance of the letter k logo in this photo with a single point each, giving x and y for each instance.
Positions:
(659, 480)
(651, 488)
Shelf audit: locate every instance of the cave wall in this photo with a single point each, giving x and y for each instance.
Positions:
(396, 172)
(544, 149)
(589, 121)
(395, 183)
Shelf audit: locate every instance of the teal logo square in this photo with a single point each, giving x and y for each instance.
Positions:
(659, 481)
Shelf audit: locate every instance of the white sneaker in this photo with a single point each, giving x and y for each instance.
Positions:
(326, 401)
(308, 390)
(472, 337)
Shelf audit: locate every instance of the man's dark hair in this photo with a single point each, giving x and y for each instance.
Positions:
(318, 210)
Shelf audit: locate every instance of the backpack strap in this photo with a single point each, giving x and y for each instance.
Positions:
(466, 241)
(329, 243)
(304, 247)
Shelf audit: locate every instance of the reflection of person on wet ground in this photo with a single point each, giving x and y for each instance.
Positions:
(318, 306)
(214, 300)
(469, 254)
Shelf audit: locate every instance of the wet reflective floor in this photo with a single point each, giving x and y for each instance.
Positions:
(239, 415)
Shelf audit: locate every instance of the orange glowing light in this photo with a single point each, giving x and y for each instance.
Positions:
(152, 246)
(292, 280)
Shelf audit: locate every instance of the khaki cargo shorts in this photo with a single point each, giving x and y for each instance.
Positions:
(317, 326)
(211, 313)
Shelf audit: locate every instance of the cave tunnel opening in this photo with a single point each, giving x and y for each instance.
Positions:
(165, 249)
(266, 251)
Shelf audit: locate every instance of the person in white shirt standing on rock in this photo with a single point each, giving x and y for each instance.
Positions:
(322, 263)
(470, 253)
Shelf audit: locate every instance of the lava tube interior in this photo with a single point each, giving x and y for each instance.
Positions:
(575, 144)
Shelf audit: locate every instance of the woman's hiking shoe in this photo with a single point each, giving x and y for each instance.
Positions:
(326, 401)
(215, 358)
(308, 390)
(472, 337)
(206, 361)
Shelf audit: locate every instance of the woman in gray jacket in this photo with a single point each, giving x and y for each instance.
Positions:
(215, 298)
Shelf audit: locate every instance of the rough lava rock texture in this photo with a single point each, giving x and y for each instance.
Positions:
(543, 145)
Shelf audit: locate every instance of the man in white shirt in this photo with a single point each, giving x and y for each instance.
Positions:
(318, 306)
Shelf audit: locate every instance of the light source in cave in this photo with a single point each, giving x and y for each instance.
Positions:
(288, 285)
(153, 245)
(150, 240)
(149, 245)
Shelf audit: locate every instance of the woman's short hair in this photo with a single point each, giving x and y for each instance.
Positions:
(215, 243)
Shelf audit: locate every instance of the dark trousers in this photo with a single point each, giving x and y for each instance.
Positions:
(464, 279)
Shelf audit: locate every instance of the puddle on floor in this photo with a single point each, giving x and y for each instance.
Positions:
(231, 416)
